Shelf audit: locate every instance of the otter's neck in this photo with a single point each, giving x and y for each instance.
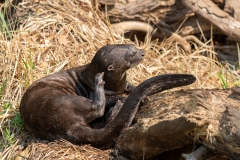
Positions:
(87, 76)
(115, 82)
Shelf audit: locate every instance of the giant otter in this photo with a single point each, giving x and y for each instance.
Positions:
(62, 105)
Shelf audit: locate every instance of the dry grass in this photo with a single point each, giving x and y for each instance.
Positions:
(58, 34)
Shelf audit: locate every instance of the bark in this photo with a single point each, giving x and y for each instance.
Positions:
(178, 19)
(175, 119)
(210, 11)
(146, 10)
(167, 13)
(232, 7)
(196, 155)
(170, 12)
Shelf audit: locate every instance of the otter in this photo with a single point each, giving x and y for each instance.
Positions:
(63, 104)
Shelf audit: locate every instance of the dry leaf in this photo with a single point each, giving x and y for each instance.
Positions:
(62, 39)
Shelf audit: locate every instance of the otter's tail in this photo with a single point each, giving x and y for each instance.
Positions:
(106, 137)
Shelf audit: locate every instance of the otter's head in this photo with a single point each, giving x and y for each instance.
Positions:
(114, 61)
(117, 58)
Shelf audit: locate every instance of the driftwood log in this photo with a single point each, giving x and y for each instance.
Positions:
(175, 119)
(170, 13)
(184, 21)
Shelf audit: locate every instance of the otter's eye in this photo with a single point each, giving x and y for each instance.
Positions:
(110, 67)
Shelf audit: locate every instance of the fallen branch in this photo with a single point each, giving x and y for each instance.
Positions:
(122, 27)
(210, 11)
(192, 38)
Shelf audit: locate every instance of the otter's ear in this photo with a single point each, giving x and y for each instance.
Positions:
(110, 67)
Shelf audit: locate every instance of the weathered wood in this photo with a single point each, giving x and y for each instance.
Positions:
(232, 7)
(210, 11)
(196, 155)
(175, 119)
(165, 13)
(147, 10)
(173, 19)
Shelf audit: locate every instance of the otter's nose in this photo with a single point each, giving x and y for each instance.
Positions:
(142, 53)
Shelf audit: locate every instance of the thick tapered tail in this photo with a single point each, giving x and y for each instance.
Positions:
(106, 137)
(149, 87)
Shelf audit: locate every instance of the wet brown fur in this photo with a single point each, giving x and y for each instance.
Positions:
(63, 104)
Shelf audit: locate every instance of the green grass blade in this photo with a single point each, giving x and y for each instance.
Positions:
(4, 25)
